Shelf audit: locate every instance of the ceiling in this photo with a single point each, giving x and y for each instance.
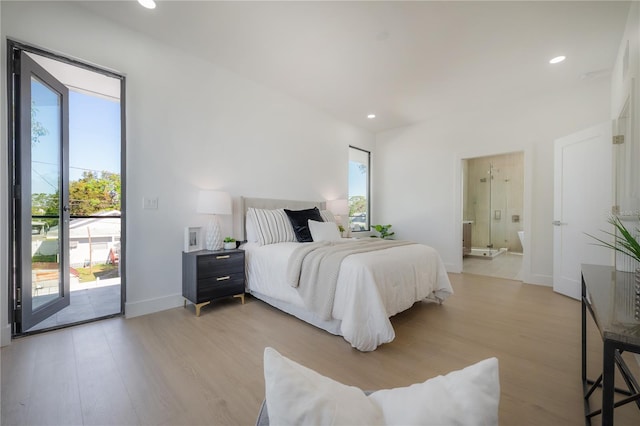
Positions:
(406, 62)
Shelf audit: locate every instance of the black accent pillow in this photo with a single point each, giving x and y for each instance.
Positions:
(300, 221)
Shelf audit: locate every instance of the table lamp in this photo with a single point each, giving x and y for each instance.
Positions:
(213, 203)
(339, 208)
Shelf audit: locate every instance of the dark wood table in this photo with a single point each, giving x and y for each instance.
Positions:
(613, 300)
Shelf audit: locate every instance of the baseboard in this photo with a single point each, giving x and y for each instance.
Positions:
(5, 335)
(144, 307)
(538, 279)
(452, 268)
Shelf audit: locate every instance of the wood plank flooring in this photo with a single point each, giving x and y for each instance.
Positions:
(172, 368)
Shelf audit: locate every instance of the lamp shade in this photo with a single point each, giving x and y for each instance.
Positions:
(338, 207)
(214, 202)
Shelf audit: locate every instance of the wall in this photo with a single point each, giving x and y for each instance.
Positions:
(419, 169)
(190, 125)
(626, 89)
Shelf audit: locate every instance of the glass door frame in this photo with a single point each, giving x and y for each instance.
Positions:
(15, 259)
(31, 72)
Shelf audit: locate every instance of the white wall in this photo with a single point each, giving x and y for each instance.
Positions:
(623, 77)
(626, 88)
(190, 125)
(419, 171)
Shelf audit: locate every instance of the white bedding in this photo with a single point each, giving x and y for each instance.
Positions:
(371, 286)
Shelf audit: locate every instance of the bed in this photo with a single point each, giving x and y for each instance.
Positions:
(370, 286)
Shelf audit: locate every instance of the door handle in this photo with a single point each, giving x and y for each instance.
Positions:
(65, 208)
(558, 223)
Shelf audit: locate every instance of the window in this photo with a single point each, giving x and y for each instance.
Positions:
(359, 169)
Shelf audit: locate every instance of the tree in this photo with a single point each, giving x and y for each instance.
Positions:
(357, 205)
(45, 204)
(90, 194)
(94, 193)
(37, 129)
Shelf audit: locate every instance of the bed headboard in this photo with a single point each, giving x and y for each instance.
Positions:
(270, 204)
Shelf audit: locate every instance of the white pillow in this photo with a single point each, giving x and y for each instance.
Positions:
(251, 235)
(327, 216)
(465, 397)
(272, 226)
(324, 231)
(298, 395)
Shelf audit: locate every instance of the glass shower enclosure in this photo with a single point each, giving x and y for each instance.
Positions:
(493, 203)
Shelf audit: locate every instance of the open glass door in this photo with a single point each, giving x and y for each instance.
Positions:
(42, 215)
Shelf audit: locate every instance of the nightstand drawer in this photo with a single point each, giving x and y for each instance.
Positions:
(211, 289)
(222, 280)
(220, 264)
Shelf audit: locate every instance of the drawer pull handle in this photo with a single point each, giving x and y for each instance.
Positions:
(223, 257)
(223, 278)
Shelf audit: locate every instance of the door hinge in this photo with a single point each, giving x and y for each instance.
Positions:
(618, 139)
(18, 297)
(16, 62)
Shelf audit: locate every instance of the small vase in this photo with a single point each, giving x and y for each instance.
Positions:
(230, 246)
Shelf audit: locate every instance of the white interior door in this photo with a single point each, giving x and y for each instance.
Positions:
(583, 198)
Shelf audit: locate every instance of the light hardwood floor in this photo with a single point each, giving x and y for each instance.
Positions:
(172, 368)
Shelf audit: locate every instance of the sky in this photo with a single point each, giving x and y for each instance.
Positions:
(94, 137)
(357, 180)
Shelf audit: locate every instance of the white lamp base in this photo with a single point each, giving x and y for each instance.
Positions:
(213, 238)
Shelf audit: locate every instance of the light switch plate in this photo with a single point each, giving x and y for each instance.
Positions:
(150, 203)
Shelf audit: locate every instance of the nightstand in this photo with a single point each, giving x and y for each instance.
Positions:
(209, 275)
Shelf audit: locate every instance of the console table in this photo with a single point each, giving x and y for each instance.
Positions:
(611, 298)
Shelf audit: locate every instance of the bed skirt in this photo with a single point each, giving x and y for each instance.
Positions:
(332, 326)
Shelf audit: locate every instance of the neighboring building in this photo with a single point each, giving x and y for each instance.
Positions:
(91, 240)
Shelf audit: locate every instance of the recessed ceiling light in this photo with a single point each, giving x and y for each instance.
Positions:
(557, 59)
(371, 116)
(149, 4)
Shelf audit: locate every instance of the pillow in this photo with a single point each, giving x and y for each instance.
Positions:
(466, 397)
(327, 216)
(296, 394)
(251, 235)
(300, 222)
(272, 226)
(324, 231)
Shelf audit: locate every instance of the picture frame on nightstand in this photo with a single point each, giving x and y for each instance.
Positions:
(192, 238)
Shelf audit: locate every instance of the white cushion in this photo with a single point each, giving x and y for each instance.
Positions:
(251, 235)
(327, 216)
(298, 395)
(324, 231)
(465, 397)
(271, 226)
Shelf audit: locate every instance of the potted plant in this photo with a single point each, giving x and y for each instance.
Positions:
(383, 230)
(229, 243)
(623, 240)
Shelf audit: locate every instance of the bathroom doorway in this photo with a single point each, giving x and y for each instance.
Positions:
(493, 205)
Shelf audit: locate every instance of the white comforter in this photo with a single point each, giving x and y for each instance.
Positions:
(371, 286)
